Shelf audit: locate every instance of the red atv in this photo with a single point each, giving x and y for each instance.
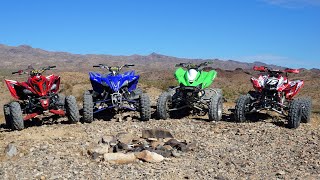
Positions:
(274, 91)
(37, 96)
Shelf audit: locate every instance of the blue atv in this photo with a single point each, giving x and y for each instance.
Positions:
(115, 91)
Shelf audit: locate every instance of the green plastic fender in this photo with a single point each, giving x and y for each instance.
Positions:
(203, 77)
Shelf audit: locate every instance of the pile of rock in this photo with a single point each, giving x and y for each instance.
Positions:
(152, 146)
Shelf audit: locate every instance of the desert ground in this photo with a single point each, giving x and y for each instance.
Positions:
(262, 148)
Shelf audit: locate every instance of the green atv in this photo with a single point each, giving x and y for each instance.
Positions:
(193, 93)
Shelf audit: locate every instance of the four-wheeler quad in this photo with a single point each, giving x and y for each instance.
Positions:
(115, 91)
(37, 96)
(274, 91)
(193, 93)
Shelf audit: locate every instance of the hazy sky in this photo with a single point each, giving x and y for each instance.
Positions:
(283, 32)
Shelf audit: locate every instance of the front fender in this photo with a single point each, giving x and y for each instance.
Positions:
(10, 84)
(53, 81)
(96, 81)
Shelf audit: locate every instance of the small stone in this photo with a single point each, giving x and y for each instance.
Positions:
(192, 146)
(167, 147)
(120, 158)
(11, 150)
(163, 152)
(149, 156)
(175, 153)
(42, 177)
(281, 172)
(129, 118)
(120, 147)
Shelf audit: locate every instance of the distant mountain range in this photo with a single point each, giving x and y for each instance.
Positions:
(24, 55)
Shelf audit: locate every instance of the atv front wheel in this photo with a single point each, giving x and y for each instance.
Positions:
(6, 112)
(306, 110)
(163, 105)
(87, 107)
(215, 107)
(16, 116)
(72, 109)
(295, 113)
(137, 91)
(145, 110)
(61, 101)
(242, 107)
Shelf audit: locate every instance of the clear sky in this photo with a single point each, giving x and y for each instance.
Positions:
(282, 32)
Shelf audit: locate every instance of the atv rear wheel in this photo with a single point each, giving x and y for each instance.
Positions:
(16, 116)
(87, 107)
(6, 112)
(163, 105)
(145, 109)
(295, 113)
(306, 110)
(72, 109)
(242, 108)
(215, 107)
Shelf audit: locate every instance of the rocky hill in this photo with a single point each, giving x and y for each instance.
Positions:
(24, 55)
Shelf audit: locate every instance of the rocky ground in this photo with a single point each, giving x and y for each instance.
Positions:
(264, 149)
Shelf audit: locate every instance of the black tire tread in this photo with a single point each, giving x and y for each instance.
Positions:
(87, 107)
(145, 108)
(162, 112)
(72, 109)
(7, 117)
(306, 110)
(239, 113)
(295, 114)
(215, 100)
(16, 116)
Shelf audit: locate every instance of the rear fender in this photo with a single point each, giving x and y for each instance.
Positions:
(293, 88)
(133, 83)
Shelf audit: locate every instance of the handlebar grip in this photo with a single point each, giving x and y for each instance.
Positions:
(96, 66)
(130, 64)
(52, 67)
(15, 72)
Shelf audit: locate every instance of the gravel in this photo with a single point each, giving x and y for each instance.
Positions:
(223, 150)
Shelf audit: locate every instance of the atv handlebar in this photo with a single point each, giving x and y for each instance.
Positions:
(264, 69)
(113, 69)
(33, 71)
(191, 65)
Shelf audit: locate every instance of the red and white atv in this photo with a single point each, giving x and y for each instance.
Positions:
(275, 92)
(38, 96)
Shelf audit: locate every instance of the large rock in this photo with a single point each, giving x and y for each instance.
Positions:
(149, 156)
(125, 138)
(98, 151)
(11, 150)
(156, 133)
(107, 139)
(120, 158)
(181, 146)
